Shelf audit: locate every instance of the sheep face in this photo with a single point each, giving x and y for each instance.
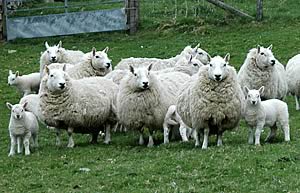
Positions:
(53, 53)
(17, 111)
(194, 64)
(264, 57)
(217, 70)
(12, 78)
(140, 77)
(201, 55)
(253, 96)
(100, 61)
(56, 82)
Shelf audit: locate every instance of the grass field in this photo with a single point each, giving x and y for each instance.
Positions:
(124, 166)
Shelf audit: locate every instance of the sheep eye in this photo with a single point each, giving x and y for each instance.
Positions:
(48, 51)
(135, 74)
(195, 64)
(262, 53)
(224, 65)
(22, 110)
(97, 56)
(13, 79)
(51, 75)
(210, 65)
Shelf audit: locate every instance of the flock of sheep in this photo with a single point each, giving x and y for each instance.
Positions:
(191, 94)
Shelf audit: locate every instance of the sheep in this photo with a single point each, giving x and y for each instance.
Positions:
(79, 106)
(270, 113)
(293, 79)
(159, 64)
(26, 84)
(144, 98)
(172, 119)
(262, 69)
(94, 64)
(58, 54)
(22, 127)
(212, 101)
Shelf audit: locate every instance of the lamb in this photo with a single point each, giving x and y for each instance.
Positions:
(94, 64)
(262, 69)
(144, 98)
(58, 54)
(293, 79)
(26, 84)
(172, 119)
(212, 101)
(268, 113)
(22, 127)
(79, 106)
(159, 64)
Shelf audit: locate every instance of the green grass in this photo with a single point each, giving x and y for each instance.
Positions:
(124, 166)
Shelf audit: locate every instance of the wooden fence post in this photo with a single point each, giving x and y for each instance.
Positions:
(1, 20)
(259, 10)
(132, 10)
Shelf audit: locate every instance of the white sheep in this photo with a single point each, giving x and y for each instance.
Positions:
(293, 78)
(159, 64)
(173, 121)
(262, 69)
(58, 54)
(22, 127)
(144, 98)
(26, 84)
(212, 102)
(80, 106)
(269, 113)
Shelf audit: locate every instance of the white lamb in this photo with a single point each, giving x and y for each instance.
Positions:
(212, 102)
(80, 106)
(159, 64)
(172, 119)
(145, 97)
(262, 69)
(270, 113)
(293, 78)
(22, 126)
(58, 54)
(26, 84)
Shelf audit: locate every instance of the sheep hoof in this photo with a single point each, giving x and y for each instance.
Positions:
(70, 145)
(106, 142)
(11, 154)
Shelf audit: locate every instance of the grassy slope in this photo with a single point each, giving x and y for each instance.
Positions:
(126, 167)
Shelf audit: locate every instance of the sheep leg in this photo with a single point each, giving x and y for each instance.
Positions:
(19, 144)
(71, 141)
(286, 130)
(107, 134)
(166, 133)
(35, 140)
(271, 134)
(13, 143)
(94, 137)
(57, 132)
(196, 136)
(297, 103)
(26, 143)
(141, 140)
(250, 136)
(150, 142)
(183, 133)
(205, 138)
(257, 134)
(219, 139)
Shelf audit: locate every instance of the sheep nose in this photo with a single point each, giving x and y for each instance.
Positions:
(18, 116)
(218, 77)
(145, 84)
(108, 65)
(273, 62)
(53, 58)
(62, 85)
(253, 102)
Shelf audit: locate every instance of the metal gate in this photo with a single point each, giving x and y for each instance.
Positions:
(72, 20)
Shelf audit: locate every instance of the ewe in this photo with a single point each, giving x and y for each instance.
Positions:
(268, 113)
(212, 102)
(293, 78)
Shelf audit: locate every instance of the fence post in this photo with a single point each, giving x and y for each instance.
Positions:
(259, 10)
(1, 19)
(132, 11)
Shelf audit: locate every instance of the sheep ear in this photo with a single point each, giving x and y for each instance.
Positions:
(47, 70)
(17, 73)
(246, 89)
(261, 90)
(94, 51)
(59, 45)
(9, 106)
(190, 60)
(24, 105)
(131, 69)
(10, 72)
(150, 66)
(105, 49)
(270, 47)
(258, 49)
(65, 67)
(227, 57)
(47, 45)
(198, 45)
(209, 58)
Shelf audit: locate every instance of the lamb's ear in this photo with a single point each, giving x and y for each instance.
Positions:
(258, 49)
(9, 106)
(190, 60)
(94, 51)
(261, 90)
(47, 45)
(59, 45)
(65, 67)
(105, 49)
(10, 72)
(150, 66)
(198, 45)
(17, 74)
(227, 57)
(131, 69)
(270, 47)
(47, 70)
(24, 105)
(246, 89)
